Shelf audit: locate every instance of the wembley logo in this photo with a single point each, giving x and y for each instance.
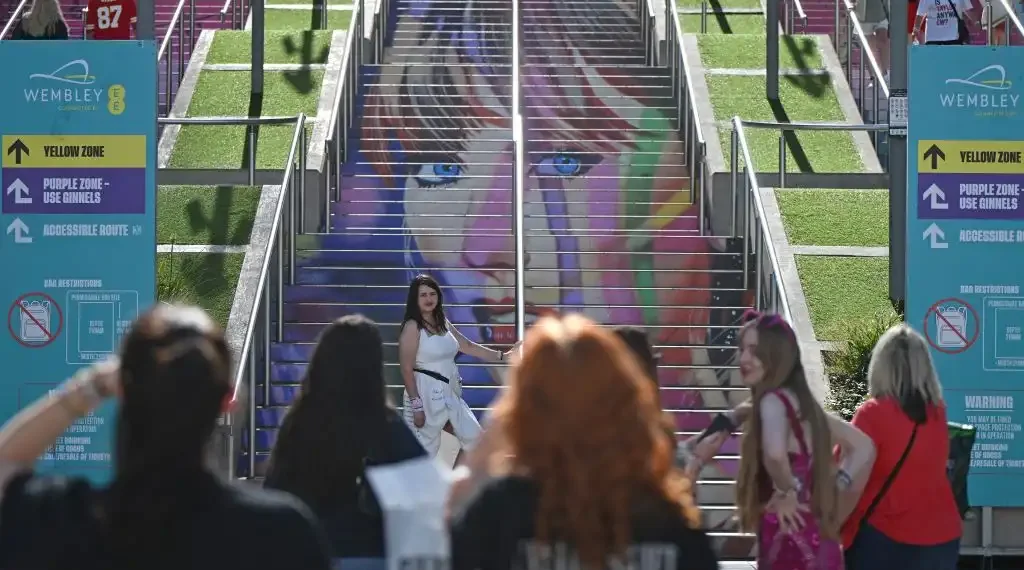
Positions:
(987, 89)
(69, 88)
(65, 73)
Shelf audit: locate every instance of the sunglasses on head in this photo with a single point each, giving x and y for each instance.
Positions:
(768, 321)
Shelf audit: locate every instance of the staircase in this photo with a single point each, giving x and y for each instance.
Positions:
(610, 228)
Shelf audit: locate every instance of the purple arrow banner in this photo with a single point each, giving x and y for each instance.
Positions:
(73, 190)
(970, 197)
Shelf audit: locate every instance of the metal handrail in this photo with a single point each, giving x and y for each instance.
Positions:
(343, 110)
(689, 123)
(177, 21)
(1009, 18)
(520, 169)
(14, 18)
(799, 6)
(752, 199)
(879, 88)
(269, 292)
(777, 297)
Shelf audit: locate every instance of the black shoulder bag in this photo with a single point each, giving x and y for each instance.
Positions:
(885, 487)
(963, 35)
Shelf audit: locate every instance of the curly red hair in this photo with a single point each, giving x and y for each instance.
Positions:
(581, 419)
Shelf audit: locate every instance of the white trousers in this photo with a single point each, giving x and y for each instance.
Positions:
(441, 405)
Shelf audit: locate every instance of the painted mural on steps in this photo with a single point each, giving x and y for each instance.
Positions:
(431, 190)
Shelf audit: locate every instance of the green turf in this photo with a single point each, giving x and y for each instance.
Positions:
(748, 51)
(808, 98)
(303, 19)
(285, 93)
(724, 24)
(215, 215)
(204, 279)
(225, 147)
(835, 217)
(225, 93)
(719, 4)
(840, 290)
(283, 46)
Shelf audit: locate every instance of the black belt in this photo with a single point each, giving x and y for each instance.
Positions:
(432, 374)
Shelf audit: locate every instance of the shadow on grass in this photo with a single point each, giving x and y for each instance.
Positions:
(794, 149)
(715, 7)
(801, 49)
(302, 79)
(217, 223)
(188, 279)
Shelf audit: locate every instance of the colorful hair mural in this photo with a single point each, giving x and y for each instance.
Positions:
(611, 228)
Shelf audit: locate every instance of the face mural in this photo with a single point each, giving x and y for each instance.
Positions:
(608, 212)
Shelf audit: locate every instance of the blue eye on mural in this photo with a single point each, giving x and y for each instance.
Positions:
(561, 164)
(438, 174)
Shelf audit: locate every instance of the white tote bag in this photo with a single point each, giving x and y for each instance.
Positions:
(412, 496)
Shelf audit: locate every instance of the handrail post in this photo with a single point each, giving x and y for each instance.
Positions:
(734, 167)
(782, 160)
(520, 168)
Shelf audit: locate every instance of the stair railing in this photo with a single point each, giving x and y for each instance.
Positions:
(683, 95)
(238, 11)
(1010, 22)
(266, 316)
(769, 288)
(176, 29)
(794, 10)
(870, 86)
(648, 30)
(343, 110)
(520, 168)
(15, 16)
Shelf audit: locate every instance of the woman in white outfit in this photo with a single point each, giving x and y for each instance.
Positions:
(427, 347)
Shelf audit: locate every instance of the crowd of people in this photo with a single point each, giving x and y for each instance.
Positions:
(104, 20)
(576, 466)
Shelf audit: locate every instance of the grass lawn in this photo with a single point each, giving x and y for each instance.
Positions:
(221, 93)
(748, 51)
(724, 24)
(303, 19)
(840, 290)
(719, 4)
(204, 279)
(283, 46)
(215, 215)
(809, 98)
(835, 217)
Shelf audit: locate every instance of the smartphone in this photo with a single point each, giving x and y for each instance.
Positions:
(719, 424)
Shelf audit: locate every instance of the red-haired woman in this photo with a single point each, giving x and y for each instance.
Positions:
(581, 465)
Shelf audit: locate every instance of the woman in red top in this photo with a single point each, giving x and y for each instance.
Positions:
(915, 525)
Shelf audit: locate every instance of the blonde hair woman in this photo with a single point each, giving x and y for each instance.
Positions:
(907, 517)
(43, 21)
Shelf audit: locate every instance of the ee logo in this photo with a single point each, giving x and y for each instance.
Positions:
(115, 99)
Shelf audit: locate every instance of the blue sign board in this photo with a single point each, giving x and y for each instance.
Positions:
(78, 241)
(965, 243)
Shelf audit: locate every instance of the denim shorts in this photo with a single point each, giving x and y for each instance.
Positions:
(872, 550)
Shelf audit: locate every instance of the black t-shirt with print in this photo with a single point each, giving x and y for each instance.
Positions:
(495, 531)
(50, 522)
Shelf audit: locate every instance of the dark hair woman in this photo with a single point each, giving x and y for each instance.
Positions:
(427, 347)
(164, 509)
(340, 423)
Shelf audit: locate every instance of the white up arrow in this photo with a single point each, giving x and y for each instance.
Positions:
(937, 196)
(936, 235)
(20, 231)
(20, 192)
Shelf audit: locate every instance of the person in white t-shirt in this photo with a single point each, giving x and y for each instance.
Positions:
(943, 20)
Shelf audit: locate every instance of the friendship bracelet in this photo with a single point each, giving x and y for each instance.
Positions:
(416, 404)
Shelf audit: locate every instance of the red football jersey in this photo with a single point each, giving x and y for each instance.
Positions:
(111, 19)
